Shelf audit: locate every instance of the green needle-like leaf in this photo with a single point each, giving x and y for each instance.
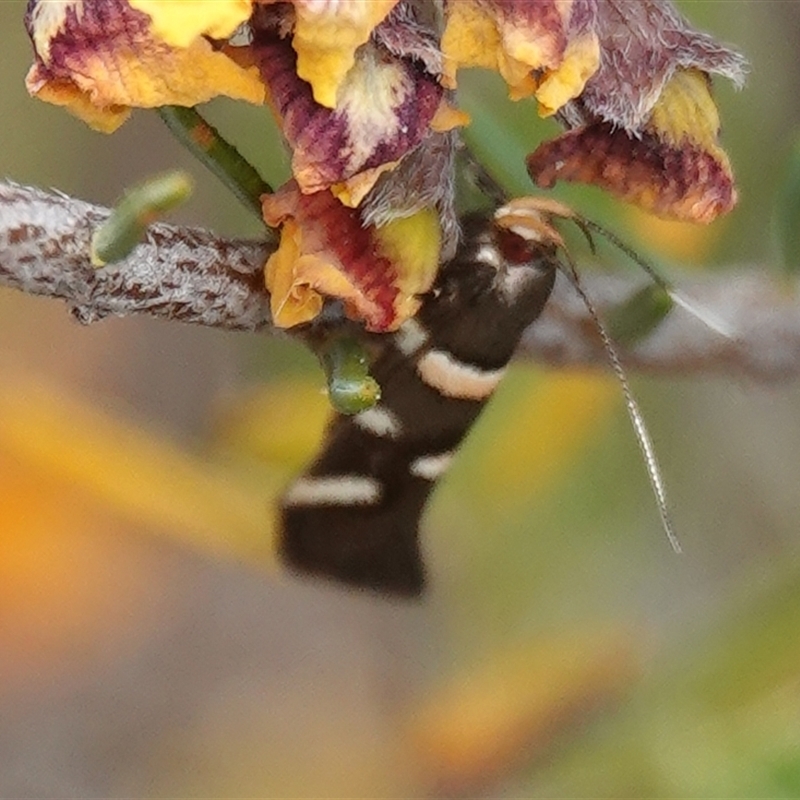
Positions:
(638, 316)
(206, 143)
(140, 206)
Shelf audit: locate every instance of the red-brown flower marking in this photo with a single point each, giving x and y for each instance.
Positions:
(683, 182)
(101, 57)
(645, 127)
(385, 106)
(327, 251)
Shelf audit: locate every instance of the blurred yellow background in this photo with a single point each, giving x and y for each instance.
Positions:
(150, 647)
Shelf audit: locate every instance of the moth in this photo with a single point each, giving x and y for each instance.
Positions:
(353, 515)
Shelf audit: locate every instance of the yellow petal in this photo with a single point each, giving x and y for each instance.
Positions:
(326, 37)
(516, 39)
(558, 87)
(105, 119)
(673, 167)
(298, 282)
(472, 39)
(352, 191)
(412, 244)
(292, 301)
(686, 110)
(180, 22)
(448, 117)
(104, 57)
(171, 77)
(327, 251)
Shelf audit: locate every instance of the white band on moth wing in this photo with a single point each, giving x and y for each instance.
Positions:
(379, 421)
(410, 337)
(453, 378)
(333, 490)
(431, 467)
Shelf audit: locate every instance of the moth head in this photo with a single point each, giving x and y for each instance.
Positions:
(517, 247)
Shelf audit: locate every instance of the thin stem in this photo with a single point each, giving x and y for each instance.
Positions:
(206, 144)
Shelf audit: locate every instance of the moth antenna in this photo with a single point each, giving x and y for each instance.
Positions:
(612, 237)
(484, 181)
(586, 229)
(634, 412)
(530, 219)
(709, 319)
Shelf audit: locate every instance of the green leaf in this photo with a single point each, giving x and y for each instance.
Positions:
(639, 315)
(140, 206)
(208, 145)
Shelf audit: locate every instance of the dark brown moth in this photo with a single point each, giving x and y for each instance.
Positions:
(353, 516)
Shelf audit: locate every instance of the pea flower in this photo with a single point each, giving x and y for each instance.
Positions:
(365, 95)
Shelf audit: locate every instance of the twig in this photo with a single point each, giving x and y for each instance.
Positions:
(761, 314)
(178, 273)
(190, 275)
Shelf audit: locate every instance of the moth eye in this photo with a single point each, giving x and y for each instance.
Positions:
(514, 249)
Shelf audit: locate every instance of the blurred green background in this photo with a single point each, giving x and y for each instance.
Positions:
(149, 646)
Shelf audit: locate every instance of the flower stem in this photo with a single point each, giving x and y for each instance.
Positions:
(206, 144)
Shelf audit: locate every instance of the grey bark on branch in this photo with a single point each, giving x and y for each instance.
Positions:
(193, 276)
(183, 274)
